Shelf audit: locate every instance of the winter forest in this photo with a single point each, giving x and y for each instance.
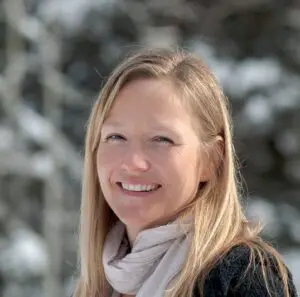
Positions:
(54, 57)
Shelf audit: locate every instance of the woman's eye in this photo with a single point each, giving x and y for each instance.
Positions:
(163, 139)
(114, 137)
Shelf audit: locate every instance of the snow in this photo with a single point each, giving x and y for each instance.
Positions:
(163, 37)
(252, 74)
(70, 13)
(42, 164)
(204, 50)
(260, 210)
(290, 217)
(288, 143)
(30, 28)
(258, 110)
(6, 138)
(292, 259)
(24, 256)
(240, 77)
(35, 126)
(286, 97)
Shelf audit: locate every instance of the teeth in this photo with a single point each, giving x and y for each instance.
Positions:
(138, 188)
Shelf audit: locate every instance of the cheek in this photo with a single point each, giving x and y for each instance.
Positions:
(184, 167)
(184, 160)
(105, 157)
(106, 162)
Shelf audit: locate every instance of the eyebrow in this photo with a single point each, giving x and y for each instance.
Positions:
(158, 126)
(112, 124)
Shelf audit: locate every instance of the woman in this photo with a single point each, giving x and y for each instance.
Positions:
(161, 212)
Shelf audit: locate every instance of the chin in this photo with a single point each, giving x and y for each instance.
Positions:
(135, 222)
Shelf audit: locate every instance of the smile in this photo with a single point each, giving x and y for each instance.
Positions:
(139, 187)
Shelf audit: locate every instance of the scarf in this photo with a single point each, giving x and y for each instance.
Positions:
(156, 257)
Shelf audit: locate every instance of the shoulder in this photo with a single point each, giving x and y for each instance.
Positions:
(235, 274)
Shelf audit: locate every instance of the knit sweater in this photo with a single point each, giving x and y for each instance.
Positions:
(228, 278)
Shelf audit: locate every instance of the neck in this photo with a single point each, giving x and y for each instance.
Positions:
(133, 231)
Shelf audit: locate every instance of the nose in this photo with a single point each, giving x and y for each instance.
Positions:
(135, 161)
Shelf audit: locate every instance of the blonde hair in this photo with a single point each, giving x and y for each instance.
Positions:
(217, 205)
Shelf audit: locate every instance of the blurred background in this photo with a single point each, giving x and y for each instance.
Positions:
(54, 56)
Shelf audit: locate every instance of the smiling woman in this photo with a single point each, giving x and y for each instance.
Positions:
(140, 160)
(161, 212)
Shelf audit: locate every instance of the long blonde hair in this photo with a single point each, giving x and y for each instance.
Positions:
(219, 222)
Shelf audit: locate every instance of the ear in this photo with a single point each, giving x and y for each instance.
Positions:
(211, 158)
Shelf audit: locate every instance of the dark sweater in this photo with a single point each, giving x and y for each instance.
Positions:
(228, 278)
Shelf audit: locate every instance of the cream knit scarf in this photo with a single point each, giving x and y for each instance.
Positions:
(156, 257)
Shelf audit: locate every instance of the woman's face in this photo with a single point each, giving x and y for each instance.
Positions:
(149, 161)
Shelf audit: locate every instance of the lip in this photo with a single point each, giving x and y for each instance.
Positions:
(136, 194)
(137, 182)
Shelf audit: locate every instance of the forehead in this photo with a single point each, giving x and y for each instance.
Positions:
(148, 98)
